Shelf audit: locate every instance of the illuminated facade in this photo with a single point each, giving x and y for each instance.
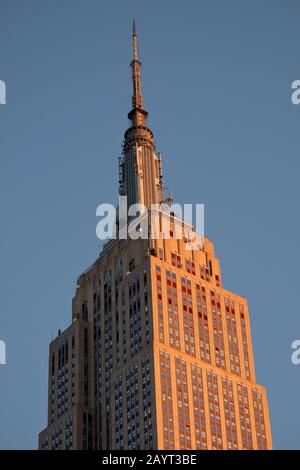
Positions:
(159, 354)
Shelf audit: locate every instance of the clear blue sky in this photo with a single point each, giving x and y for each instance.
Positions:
(216, 82)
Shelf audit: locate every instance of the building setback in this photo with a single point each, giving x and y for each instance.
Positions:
(159, 354)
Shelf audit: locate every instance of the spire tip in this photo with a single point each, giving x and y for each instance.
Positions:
(135, 53)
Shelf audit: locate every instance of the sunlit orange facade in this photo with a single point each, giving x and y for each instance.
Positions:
(205, 387)
(158, 355)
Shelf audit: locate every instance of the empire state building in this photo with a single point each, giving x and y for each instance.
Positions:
(158, 354)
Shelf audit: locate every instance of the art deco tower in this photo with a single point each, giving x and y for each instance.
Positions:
(159, 354)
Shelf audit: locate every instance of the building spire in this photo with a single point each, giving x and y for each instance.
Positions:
(137, 115)
(135, 54)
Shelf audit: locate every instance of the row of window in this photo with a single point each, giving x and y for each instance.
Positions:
(61, 436)
(213, 329)
(63, 374)
(204, 272)
(224, 401)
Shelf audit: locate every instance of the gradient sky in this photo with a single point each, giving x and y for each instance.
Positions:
(217, 84)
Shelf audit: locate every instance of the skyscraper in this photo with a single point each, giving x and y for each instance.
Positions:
(159, 354)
